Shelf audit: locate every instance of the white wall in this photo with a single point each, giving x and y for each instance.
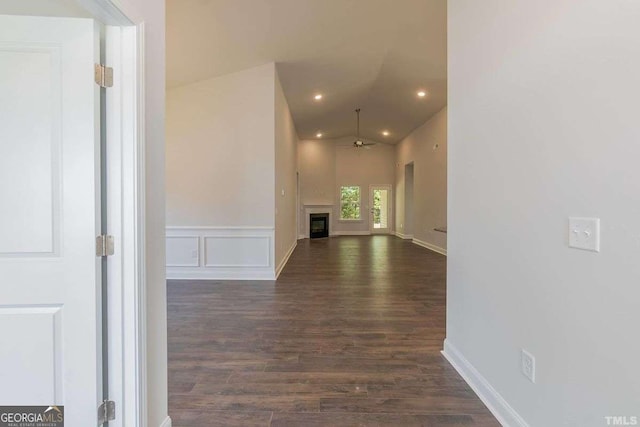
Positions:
(326, 165)
(221, 177)
(429, 183)
(317, 168)
(286, 145)
(231, 152)
(317, 175)
(220, 151)
(363, 167)
(405, 210)
(543, 125)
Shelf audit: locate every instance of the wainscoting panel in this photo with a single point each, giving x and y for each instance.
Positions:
(217, 253)
(183, 251)
(237, 251)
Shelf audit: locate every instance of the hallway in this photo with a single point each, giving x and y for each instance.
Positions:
(349, 335)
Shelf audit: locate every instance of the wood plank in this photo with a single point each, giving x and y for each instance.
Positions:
(370, 420)
(349, 335)
(209, 418)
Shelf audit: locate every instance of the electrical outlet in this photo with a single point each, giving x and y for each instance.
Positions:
(584, 233)
(528, 365)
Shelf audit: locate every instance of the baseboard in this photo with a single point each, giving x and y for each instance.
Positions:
(434, 248)
(166, 422)
(504, 413)
(237, 273)
(403, 236)
(301, 237)
(351, 233)
(286, 259)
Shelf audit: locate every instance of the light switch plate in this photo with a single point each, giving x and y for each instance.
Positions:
(584, 233)
(528, 365)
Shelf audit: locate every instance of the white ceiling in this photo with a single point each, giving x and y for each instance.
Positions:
(372, 54)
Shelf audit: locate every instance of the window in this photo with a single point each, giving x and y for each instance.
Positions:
(350, 202)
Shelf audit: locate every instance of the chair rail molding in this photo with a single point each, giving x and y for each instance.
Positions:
(220, 253)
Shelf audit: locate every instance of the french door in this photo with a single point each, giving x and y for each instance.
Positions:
(380, 209)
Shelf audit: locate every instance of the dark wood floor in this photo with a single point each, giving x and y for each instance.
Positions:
(349, 335)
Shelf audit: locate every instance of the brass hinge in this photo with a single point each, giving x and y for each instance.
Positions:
(106, 411)
(103, 75)
(104, 245)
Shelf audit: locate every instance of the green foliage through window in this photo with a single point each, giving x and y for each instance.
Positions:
(350, 202)
(377, 206)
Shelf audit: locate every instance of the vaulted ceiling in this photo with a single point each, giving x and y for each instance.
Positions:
(371, 54)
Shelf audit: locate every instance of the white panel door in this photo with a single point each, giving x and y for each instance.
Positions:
(49, 215)
(380, 209)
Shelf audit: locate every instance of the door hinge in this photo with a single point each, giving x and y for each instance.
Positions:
(103, 75)
(106, 411)
(104, 245)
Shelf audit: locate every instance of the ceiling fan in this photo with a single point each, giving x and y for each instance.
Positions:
(359, 143)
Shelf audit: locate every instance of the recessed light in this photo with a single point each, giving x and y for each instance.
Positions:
(319, 134)
(422, 94)
(318, 97)
(385, 132)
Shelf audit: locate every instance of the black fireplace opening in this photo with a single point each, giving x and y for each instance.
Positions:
(319, 225)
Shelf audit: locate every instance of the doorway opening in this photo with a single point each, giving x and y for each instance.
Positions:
(380, 209)
(408, 200)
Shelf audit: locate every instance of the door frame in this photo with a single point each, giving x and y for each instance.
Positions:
(389, 188)
(408, 209)
(126, 317)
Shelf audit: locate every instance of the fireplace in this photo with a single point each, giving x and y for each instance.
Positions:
(318, 225)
